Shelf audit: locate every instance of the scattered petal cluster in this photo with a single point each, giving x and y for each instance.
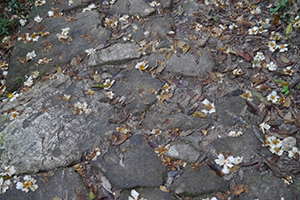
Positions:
(273, 97)
(235, 133)
(89, 8)
(134, 195)
(81, 108)
(210, 107)
(227, 163)
(28, 184)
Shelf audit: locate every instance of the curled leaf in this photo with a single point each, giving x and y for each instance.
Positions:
(199, 114)
(168, 55)
(252, 107)
(246, 56)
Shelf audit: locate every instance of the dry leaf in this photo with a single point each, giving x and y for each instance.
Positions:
(246, 56)
(164, 188)
(199, 114)
(21, 60)
(225, 37)
(185, 48)
(279, 112)
(118, 138)
(284, 59)
(97, 78)
(168, 55)
(288, 116)
(287, 102)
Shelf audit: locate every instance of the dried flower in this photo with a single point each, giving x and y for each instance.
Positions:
(264, 127)
(253, 31)
(23, 22)
(4, 185)
(234, 133)
(273, 97)
(38, 19)
(282, 47)
(210, 106)
(247, 95)
(90, 51)
(142, 66)
(293, 153)
(50, 13)
(89, 8)
(272, 66)
(288, 71)
(272, 46)
(39, 2)
(30, 55)
(29, 183)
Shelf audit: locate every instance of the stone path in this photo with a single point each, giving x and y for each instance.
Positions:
(121, 106)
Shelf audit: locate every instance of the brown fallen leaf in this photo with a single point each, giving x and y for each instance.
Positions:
(280, 113)
(168, 55)
(287, 102)
(118, 138)
(246, 56)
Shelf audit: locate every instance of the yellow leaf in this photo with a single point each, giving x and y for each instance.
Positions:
(59, 70)
(289, 29)
(185, 48)
(168, 55)
(164, 188)
(10, 95)
(199, 114)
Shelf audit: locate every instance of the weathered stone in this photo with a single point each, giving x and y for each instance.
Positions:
(148, 193)
(132, 7)
(183, 151)
(185, 64)
(116, 54)
(47, 134)
(87, 23)
(139, 86)
(288, 143)
(259, 186)
(52, 185)
(188, 183)
(229, 111)
(140, 167)
(167, 115)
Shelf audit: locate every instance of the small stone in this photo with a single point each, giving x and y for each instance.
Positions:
(288, 143)
(183, 151)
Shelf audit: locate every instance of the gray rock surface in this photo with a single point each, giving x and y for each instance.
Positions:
(55, 185)
(47, 134)
(186, 65)
(132, 7)
(50, 134)
(184, 151)
(138, 167)
(87, 23)
(116, 54)
(188, 183)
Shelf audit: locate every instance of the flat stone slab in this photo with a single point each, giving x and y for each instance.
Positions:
(116, 54)
(148, 193)
(55, 185)
(185, 64)
(263, 186)
(84, 27)
(132, 7)
(188, 183)
(137, 86)
(51, 132)
(183, 151)
(140, 167)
